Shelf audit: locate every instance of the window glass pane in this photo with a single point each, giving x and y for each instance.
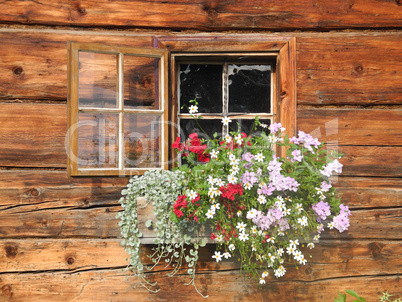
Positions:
(203, 82)
(97, 80)
(249, 88)
(247, 126)
(142, 141)
(98, 140)
(141, 82)
(210, 126)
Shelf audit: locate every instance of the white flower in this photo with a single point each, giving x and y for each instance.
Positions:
(219, 238)
(215, 207)
(310, 245)
(238, 139)
(262, 280)
(297, 255)
(248, 186)
(316, 237)
(331, 225)
(286, 212)
(210, 214)
(211, 180)
(302, 260)
(228, 138)
(251, 213)
(217, 256)
(261, 199)
(232, 156)
(299, 208)
(241, 226)
(290, 250)
(280, 272)
(259, 157)
(219, 182)
(271, 239)
(193, 109)
(234, 161)
(227, 255)
(226, 120)
(243, 236)
(232, 247)
(214, 154)
(265, 274)
(234, 170)
(271, 258)
(264, 125)
(294, 243)
(254, 229)
(302, 221)
(279, 252)
(232, 179)
(192, 195)
(238, 213)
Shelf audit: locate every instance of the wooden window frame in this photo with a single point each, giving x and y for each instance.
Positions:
(73, 106)
(283, 49)
(168, 49)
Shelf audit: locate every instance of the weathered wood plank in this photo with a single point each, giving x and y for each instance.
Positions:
(34, 63)
(364, 127)
(41, 189)
(101, 223)
(330, 259)
(35, 190)
(205, 15)
(357, 69)
(26, 143)
(363, 192)
(371, 161)
(114, 285)
(332, 68)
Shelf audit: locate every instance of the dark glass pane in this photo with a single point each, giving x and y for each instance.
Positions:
(188, 126)
(140, 82)
(249, 88)
(247, 126)
(203, 82)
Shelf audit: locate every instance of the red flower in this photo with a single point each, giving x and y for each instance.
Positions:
(177, 145)
(213, 236)
(180, 203)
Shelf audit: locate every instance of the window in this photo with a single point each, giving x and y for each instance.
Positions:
(120, 121)
(117, 110)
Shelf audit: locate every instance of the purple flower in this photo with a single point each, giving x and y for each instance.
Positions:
(341, 222)
(307, 140)
(322, 210)
(266, 190)
(275, 127)
(297, 156)
(248, 157)
(325, 186)
(334, 166)
(249, 177)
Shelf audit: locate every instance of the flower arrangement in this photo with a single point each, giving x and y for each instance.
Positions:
(264, 196)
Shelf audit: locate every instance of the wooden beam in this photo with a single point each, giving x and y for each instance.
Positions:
(201, 15)
(229, 286)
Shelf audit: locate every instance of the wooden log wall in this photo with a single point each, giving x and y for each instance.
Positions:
(59, 238)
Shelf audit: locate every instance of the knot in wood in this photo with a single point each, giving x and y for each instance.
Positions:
(34, 192)
(375, 249)
(17, 71)
(70, 260)
(308, 271)
(358, 68)
(11, 251)
(7, 290)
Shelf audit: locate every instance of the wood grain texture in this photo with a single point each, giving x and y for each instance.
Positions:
(332, 68)
(330, 259)
(207, 15)
(26, 143)
(115, 285)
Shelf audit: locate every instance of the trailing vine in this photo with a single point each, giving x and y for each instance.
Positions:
(173, 244)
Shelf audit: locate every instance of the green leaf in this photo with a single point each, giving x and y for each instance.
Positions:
(148, 223)
(203, 242)
(352, 293)
(342, 298)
